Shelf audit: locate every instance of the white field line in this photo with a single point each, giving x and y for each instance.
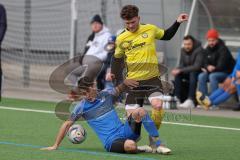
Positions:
(172, 123)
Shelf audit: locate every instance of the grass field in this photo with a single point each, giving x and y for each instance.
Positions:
(22, 133)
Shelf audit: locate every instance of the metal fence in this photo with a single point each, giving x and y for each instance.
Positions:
(40, 33)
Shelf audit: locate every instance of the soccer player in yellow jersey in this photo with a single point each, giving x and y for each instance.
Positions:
(135, 45)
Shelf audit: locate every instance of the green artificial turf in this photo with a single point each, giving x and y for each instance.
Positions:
(23, 133)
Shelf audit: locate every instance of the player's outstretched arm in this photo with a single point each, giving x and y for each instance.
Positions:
(61, 134)
(171, 31)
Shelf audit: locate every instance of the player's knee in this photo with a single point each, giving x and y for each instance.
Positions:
(130, 146)
(157, 103)
(138, 114)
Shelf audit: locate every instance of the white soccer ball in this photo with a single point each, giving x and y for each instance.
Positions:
(76, 134)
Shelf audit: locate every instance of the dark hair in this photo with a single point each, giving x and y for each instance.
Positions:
(129, 11)
(187, 37)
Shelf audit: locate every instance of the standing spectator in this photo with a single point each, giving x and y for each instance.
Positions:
(188, 70)
(94, 55)
(218, 63)
(3, 28)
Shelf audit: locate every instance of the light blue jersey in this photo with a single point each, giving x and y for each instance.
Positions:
(102, 118)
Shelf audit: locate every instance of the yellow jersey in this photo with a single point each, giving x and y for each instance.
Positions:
(139, 51)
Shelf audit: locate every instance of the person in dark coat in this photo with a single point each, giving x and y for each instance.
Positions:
(3, 28)
(189, 67)
(218, 63)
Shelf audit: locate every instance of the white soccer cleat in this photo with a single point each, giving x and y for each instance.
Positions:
(145, 148)
(163, 150)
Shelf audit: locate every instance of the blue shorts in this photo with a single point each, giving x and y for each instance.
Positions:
(130, 130)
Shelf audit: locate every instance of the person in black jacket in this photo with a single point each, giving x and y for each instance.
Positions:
(189, 67)
(3, 28)
(218, 63)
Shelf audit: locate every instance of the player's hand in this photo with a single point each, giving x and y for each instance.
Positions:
(175, 72)
(226, 84)
(182, 18)
(131, 83)
(211, 68)
(52, 148)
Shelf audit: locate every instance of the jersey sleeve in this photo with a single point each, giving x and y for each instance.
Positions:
(119, 51)
(159, 33)
(77, 112)
(108, 92)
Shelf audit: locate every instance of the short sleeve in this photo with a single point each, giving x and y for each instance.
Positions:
(77, 112)
(119, 51)
(159, 33)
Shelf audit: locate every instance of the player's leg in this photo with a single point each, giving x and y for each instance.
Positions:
(155, 98)
(141, 116)
(123, 145)
(220, 95)
(130, 146)
(157, 112)
(133, 101)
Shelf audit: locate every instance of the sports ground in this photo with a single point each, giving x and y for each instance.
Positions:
(26, 126)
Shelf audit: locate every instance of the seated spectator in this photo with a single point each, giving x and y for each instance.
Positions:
(224, 92)
(188, 69)
(218, 63)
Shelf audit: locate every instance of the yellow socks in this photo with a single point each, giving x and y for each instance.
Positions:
(157, 116)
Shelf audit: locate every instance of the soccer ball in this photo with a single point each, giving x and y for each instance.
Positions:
(76, 134)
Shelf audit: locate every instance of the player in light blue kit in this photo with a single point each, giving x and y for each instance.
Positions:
(98, 110)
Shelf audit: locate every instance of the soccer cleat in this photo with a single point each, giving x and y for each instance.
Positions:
(206, 103)
(145, 148)
(159, 149)
(204, 100)
(187, 104)
(198, 97)
(163, 150)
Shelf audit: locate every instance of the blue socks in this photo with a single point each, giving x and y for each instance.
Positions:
(151, 128)
(222, 98)
(216, 94)
(219, 96)
(149, 125)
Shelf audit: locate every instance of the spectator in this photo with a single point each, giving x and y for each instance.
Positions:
(110, 47)
(218, 63)
(3, 28)
(94, 55)
(188, 69)
(224, 92)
